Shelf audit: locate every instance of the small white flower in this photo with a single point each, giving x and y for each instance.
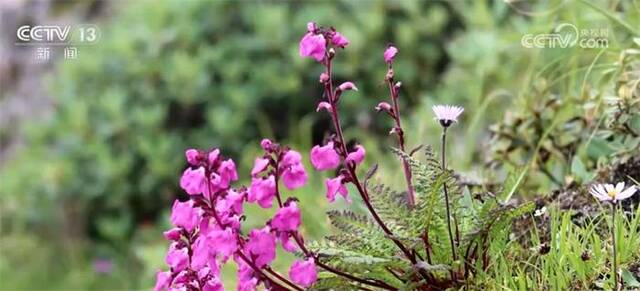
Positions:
(447, 114)
(607, 192)
(541, 211)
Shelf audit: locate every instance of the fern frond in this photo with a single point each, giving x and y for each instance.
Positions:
(392, 208)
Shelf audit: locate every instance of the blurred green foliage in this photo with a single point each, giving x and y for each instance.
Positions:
(577, 121)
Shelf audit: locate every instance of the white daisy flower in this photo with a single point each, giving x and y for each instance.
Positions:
(608, 192)
(541, 211)
(447, 114)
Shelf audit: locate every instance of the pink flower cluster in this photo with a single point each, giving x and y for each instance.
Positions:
(315, 42)
(207, 228)
(327, 158)
(319, 43)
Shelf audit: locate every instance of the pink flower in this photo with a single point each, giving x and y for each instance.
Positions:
(102, 266)
(211, 269)
(213, 156)
(447, 114)
(223, 242)
(232, 202)
(262, 191)
(607, 192)
(294, 177)
(336, 186)
(291, 158)
(201, 254)
(193, 181)
(266, 144)
(177, 258)
(262, 246)
(383, 106)
(287, 218)
(325, 157)
(356, 156)
(339, 40)
(231, 221)
(347, 86)
(259, 165)
(293, 173)
(288, 244)
(173, 234)
(180, 281)
(323, 105)
(215, 184)
(163, 281)
(313, 45)
(228, 173)
(390, 54)
(184, 215)
(303, 272)
(192, 156)
(246, 278)
(213, 284)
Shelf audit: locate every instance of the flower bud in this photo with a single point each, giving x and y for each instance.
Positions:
(311, 27)
(339, 40)
(332, 52)
(213, 156)
(192, 156)
(324, 78)
(323, 105)
(390, 54)
(173, 234)
(266, 144)
(383, 106)
(347, 86)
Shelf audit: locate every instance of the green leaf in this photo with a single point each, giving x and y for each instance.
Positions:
(629, 279)
(511, 184)
(579, 171)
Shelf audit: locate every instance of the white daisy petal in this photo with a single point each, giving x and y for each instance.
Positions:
(447, 112)
(619, 187)
(627, 193)
(598, 191)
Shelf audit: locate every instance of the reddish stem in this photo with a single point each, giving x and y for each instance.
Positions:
(394, 94)
(308, 253)
(354, 178)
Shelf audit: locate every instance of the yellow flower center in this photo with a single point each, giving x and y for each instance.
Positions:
(612, 193)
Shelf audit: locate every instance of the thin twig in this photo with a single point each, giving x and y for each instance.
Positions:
(393, 91)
